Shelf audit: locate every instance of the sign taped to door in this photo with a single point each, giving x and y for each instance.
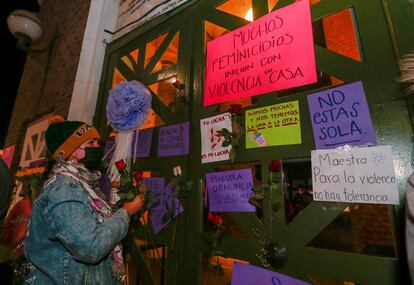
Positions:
(230, 191)
(174, 140)
(356, 175)
(340, 116)
(211, 142)
(246, 274)
(273, 125)
(166, 202)
(272, 53)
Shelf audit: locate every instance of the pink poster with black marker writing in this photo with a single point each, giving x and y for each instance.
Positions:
(272, 53)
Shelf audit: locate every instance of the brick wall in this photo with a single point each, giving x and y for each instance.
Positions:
(48, 78)
(372, 230)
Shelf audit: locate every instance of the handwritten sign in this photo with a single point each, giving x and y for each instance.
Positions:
(273, 125)
(359, 175)
(230, 191)
(166, 202)
(211, 142)
(340, 116)
(141, 146)
(246, 274)
(273, 53)
(174, 140)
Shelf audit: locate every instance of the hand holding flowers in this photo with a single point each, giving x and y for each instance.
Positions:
(133, 193)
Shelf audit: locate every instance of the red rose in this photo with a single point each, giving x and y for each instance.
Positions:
(120, 164)
(215, 219)
(138, 175)
(236, 109)
(178, 85)
(275, 166)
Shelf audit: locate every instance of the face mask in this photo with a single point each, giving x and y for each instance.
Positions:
(93, 158)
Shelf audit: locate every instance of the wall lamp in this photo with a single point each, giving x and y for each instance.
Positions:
(26, 27)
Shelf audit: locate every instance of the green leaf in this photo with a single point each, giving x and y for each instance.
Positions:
(126, 196)
(168, 216)
(226, 143)
(125, 180)
(208, 237)
(217, 269)
(259, 196)
(221, 270)
(275, 206)
(223, 132)
(189, 186)
(174, 181)
(257, 188)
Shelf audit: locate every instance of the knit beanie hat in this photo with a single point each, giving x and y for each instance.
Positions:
(63, 138)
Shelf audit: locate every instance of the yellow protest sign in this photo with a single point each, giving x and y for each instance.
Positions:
(273, 125)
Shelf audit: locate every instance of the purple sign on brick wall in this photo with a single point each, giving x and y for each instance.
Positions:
(174, 140)
(230, 191)
(165, 202)
(246, 274)
(340, 116)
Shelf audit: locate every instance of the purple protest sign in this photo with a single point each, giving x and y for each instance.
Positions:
(165, 202)
(246, 274)
(230, 191)
(340, 116)
(141, 149)
(143, 146)
(174, 140)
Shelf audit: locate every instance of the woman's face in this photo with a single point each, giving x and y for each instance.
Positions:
(79, 153)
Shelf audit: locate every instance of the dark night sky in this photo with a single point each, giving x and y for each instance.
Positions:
(12, 62)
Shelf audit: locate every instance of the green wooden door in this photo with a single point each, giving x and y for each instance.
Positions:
(158, 58)
(318, 242)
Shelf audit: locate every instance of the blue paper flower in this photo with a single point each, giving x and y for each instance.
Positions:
(128, 105)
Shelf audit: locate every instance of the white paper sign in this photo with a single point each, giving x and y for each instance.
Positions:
(133, 13)
(356, 175)
(211, 142)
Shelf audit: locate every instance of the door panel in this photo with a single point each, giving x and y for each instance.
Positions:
(359, 58)
(326, 243)
(156, 58)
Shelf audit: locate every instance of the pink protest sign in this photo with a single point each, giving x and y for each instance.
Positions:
(273, 53)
